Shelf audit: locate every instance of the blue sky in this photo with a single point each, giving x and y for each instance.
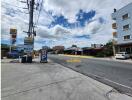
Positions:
(62, 22)
(82, 18)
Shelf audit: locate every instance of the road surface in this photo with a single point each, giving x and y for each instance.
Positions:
(115, 74)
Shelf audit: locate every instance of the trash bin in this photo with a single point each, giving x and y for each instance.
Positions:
(23, 59)
(29, 59)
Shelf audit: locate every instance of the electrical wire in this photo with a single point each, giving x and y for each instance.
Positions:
(11, 4)
(48, 14)
(20, 11)
(41, 5)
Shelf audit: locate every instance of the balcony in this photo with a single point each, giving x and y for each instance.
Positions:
(114, 34)
(114, 26)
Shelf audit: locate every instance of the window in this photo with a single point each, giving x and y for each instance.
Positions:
(128, 50)
(125, 16)
(126, 27)
(127, 37)
(114, 26)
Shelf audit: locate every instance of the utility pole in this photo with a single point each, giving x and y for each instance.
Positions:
(113, 46)
(29, 40)
(31, 24)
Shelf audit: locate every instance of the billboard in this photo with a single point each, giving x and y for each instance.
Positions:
(28, 41)
(13, 33)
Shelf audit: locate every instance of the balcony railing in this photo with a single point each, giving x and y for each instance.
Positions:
(114, 26)
(114, 34)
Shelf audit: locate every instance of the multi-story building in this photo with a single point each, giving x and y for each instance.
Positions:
(122, 25)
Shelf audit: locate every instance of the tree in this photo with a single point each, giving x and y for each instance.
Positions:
(107, 51)
(4, 47)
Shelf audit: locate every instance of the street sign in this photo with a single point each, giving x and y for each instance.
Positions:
(28, 41)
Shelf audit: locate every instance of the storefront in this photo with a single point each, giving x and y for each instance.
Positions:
(124, 48)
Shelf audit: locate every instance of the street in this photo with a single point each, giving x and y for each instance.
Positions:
(115, 74)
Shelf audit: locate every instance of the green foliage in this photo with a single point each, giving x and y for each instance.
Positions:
(107, 51)
(4, 47)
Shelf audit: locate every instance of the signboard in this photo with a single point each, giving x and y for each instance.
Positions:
(43, 55)
(28, 48)
(13, 41)
(28, 41)
(13, 33)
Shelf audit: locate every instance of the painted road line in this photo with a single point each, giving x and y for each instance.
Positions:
(78, 56)
(73, 60)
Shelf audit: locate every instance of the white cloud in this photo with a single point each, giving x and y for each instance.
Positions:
(70, 8)
(99, 33)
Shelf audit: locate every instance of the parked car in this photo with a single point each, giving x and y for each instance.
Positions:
(122, 55)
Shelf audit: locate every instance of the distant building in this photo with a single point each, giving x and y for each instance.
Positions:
(74, 50)
(97, 45)
(122, 24)
(45, 47)
(58, 49)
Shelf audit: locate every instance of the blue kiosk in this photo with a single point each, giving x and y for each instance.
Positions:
(43, 55)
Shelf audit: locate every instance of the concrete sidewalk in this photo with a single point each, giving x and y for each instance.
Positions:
(51, 81)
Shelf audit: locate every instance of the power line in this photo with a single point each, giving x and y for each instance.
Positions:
(39, 12)
(11, 4)
(20, 11)
(48, 14)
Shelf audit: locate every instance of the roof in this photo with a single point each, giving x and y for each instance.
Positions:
(74, 48)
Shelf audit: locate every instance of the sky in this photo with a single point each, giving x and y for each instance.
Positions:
(61, 22)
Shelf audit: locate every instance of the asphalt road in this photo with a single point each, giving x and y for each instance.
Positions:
(115, 74)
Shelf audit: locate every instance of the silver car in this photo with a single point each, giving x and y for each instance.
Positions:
(122, 55)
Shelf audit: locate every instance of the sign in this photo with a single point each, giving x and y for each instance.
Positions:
(13, 41)
(43, 55)
(13, 36)
(28, 48)
(28, 41)
(13, 33)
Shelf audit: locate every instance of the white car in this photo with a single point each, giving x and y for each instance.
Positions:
(122, 55)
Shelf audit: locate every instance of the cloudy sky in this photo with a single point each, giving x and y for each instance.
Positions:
(61, 22)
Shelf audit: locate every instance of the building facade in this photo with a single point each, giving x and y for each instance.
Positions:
(58, 49)
(122, 25)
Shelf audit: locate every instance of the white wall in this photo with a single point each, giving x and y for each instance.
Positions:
(120, 23)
